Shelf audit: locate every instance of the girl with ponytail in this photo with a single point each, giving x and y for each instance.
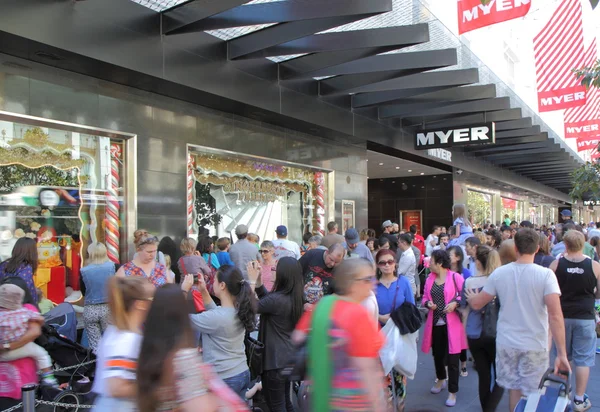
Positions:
(115, 383)
(224, 327)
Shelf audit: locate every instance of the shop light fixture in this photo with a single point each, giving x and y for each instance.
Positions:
(409, 171)
(380, 164)
(397, 167)
(422, 173)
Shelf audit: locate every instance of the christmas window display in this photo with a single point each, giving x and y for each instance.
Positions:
(62, 189)
(224, 191)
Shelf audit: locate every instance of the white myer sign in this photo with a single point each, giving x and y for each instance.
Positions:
(431, 139)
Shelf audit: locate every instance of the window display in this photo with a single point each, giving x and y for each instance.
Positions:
(62, 189)
(224, 191)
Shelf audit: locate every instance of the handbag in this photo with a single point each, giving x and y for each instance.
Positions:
(490, 319)
(456, 296)
(255, 351)
(399, 351)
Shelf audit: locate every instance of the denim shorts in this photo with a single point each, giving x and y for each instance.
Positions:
(239, 383)
(581, 341)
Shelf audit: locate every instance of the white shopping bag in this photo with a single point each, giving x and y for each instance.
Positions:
(399, 351)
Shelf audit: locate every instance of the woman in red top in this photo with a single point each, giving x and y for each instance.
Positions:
(357, 380)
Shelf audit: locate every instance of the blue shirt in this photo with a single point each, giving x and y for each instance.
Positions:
(466, 273)
(224, 259)
(385, 296)
(95, 278)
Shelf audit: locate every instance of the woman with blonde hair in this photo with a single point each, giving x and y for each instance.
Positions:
(482, 347)
(94, 279)
(115, 383)
(507, 252)
(144, 262)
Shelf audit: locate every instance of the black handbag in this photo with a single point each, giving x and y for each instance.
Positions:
(295, 370)
(255, 351)
(490, 319)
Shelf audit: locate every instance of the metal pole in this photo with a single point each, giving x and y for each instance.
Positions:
(28, 397)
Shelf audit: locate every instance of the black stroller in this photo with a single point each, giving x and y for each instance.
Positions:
(74, 364)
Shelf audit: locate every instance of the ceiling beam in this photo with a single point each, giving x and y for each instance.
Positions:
(345, 47)
(474, 106)
(446, 94)
(516, 155)
(429, 79)
(493, 148)
(296, 37)
(523, 123)
(529, 131)
(537, 161)
(193, 11)
(443, 122)
(507, 141)
(261, 13)
(393, 61)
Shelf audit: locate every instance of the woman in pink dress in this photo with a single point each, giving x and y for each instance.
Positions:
(268, 264)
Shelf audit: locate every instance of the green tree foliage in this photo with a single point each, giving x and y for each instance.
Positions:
(586, 182)
(15, 175)
(479, 206)
(589, 76)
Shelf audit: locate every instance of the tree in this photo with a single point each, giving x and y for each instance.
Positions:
(479, 206)
(589, 76)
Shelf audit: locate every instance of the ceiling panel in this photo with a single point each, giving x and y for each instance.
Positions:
(381, 166)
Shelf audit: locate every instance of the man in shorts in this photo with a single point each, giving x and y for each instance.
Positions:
(529, 298)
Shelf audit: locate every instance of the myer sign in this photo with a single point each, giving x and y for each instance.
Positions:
(431, 139)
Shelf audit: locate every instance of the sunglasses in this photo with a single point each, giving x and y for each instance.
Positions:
(386, 262)
(148, 240)
(264, 251)
(365, 279)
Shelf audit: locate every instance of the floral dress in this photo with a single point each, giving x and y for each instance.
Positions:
(158, 276)
(24, 272)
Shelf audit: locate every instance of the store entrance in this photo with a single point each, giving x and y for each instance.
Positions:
(408, 192)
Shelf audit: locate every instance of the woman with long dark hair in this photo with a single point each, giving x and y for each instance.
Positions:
(224, 327)
(457, 257)
(170, 369)
(280, 311)
(22, 264)
(483, 348)
(168, 247)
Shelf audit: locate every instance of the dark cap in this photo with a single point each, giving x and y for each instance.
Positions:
(352, 236)
(281, 230)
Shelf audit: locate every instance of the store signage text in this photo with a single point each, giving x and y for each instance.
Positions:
(473, 14)
(255, 190)
(442, 154)
(582, 129)
(561, 99)
(591, 202)
(455, 137)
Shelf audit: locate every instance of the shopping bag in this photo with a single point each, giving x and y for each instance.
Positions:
(399, 351)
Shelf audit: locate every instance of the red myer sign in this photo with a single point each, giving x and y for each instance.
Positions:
(587, 143)
(586, 128)
(472, 14)
(561, 99)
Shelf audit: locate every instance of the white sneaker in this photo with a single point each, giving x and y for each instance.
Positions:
(435, 389)
(451, 401)
(580, 406)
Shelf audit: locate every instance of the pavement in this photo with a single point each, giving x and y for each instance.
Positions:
(419, 397)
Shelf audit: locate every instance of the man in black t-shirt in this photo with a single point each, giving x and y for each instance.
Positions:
(317, 268)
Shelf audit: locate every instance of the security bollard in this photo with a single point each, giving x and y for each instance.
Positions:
(28, 397)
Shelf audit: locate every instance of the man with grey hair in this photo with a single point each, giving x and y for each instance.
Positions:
(242, 252)
(315, 243)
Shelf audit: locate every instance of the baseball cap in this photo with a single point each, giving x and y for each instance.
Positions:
(281, 230)
(241, 230)
(387, 223)
(566, 212)
(352, 236)
(11, 296)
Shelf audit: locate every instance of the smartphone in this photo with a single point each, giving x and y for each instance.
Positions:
(196, 278)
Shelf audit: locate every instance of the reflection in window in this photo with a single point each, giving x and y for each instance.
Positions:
(225, 191)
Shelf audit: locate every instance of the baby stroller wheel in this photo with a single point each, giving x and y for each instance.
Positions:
(69, 398)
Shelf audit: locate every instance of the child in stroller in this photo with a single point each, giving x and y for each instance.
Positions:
(14, 322)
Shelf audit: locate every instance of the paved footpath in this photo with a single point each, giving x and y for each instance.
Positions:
(418, 395)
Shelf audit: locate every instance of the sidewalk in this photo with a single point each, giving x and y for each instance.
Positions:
(418, 395)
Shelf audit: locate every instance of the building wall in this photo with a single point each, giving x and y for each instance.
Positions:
(164, 127)
(431, 194)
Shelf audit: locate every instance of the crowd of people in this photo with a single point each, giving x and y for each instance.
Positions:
(170, 328)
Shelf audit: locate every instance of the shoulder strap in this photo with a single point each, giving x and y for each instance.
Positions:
(396, 294)
(320, 367)
(182, 265)
(456, 294)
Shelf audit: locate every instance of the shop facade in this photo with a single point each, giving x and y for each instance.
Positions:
(93, 161)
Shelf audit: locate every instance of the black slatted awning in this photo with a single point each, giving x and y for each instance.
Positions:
(325, 62)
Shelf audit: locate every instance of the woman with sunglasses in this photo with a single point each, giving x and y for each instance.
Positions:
(391, 291)
(115, 384)
(444, 332)
(268, 264)
(144, 262)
